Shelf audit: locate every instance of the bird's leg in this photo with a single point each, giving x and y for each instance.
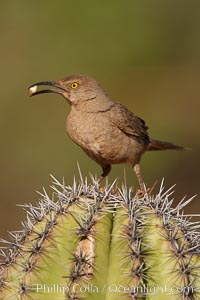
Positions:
(137, 171)
(106, 170)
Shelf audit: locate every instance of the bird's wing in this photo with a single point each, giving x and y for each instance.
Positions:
(127, 122)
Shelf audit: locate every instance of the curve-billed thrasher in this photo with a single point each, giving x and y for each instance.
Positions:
(107, 131)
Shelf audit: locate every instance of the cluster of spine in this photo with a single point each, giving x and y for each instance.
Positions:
(89, 242)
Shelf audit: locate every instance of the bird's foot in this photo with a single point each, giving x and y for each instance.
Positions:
(143, 190)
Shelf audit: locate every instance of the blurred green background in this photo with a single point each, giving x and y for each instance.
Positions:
(146, 54)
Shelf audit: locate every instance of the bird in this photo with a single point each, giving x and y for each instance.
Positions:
(106, 130)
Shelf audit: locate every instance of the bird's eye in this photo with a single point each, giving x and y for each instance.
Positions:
(74, 85)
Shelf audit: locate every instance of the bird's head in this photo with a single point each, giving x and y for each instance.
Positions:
(75, 89)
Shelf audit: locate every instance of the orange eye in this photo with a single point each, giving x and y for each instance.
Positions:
(74, 85)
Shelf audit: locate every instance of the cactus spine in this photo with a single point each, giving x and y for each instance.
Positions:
(92, 243)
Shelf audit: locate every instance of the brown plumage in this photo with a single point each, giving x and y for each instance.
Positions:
(107, 131)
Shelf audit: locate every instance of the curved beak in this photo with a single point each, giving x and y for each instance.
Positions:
(33, 89)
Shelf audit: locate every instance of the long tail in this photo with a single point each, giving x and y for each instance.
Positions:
(158, 145)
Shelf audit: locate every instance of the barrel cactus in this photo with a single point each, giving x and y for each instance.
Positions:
(92, 242)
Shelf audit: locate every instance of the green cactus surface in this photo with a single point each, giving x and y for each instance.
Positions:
(92, 242)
